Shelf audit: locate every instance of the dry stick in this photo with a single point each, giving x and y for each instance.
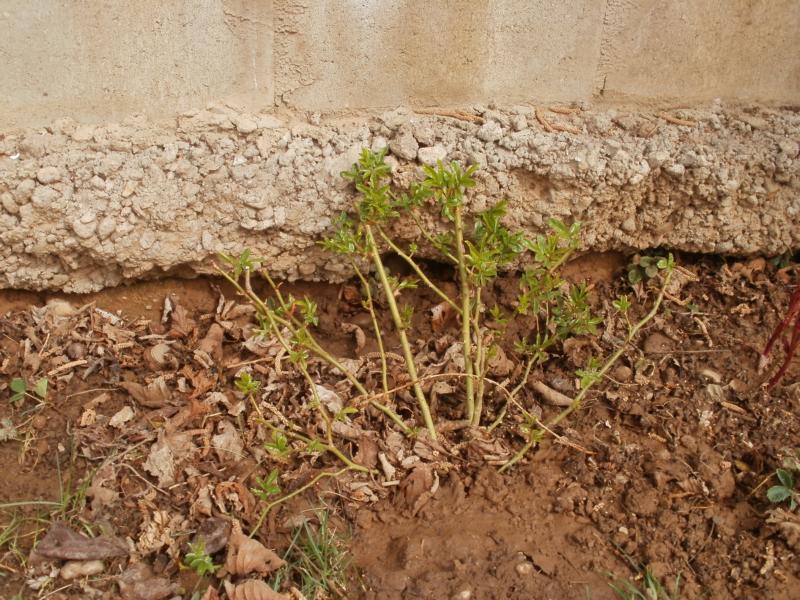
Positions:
(676, 120)
(535, 436)
(415, 267)
(466, 338)
(291, 495)
(376, 328)
(401, 332)
(480, 360)
(513, 394)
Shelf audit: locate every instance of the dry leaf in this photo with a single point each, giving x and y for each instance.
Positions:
(155, 394)
(63, 543)
(211, 344)
(210, 594)
(329, 399)
(499, 364)
(441, 316)
(252, 589)
(246, 556)
(139, 583)
(159, 356)
(417, 483)
(235, 494)
(121, 417)
(164, 453)
(214, 533)
(367, 454)
(181, 324)
(358, 335)
(227, 443)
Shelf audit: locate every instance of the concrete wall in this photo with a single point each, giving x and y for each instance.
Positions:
(143, 137)
(99, 60)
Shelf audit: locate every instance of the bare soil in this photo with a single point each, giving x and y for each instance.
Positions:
(667, 465)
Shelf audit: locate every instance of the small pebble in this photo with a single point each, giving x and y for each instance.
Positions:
(524, 568)
(76, 568)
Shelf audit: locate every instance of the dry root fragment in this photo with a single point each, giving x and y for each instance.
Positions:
(246, 556)
(550, 395)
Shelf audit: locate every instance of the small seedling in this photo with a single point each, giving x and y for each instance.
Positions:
(649, 589)
(246, 384)
(199, 561)
(786, 490)
(20, 390)
(647, 267)
(279, 446)
(267, 486)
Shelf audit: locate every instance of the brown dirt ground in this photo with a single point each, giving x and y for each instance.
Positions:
(667, 463)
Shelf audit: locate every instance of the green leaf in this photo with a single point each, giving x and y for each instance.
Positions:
(41, 388)
(18, 385)
(778, 493)
(342, 414)
(786, 478)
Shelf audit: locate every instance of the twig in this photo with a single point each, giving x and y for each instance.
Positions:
(454, 114)
(67, 367)
(676, 120)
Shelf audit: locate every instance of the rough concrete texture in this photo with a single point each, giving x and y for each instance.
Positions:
(82, 206)
(101, 61)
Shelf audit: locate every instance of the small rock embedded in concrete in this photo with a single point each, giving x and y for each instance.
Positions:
(47, 175)
(675, 170)
(404, 145)
(106, 227)
(8, 203)
(84, 229)
(629, 224)
(431, 155)
(83, 133)
(245, 125)
(490, 131)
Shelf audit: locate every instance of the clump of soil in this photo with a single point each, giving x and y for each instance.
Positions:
(145, 443)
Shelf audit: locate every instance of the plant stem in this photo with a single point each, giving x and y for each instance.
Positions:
(480, 359)
(401, 332)
(465, 314)
(410, 261)
(376, 328)
(536, 435)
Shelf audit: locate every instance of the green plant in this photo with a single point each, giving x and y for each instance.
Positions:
(198, 560)
(317, 559)
(20, 390)
(650, 588)
(785, 490)
(246, 384)
(478, 248)
(645, 267)
(267, 487)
